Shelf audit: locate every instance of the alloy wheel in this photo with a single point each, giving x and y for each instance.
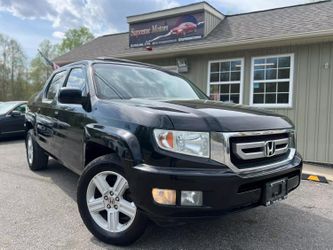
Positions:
(109, 202)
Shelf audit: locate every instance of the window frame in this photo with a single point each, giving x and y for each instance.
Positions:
(84, 71)
(22, 104)
(291, 82)
(241, 82)
(46, 90)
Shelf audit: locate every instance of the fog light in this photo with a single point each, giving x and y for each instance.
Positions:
(191, 198)
(164, 196)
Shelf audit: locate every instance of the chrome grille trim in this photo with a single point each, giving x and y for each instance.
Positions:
(220, 149)
(238, 148)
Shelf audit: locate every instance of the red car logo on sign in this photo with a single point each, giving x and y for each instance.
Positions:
(184, 29)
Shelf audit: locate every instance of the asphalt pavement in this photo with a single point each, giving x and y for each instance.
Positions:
(38, 211)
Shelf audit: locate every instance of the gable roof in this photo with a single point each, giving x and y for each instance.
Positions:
(300, 21)
(192, 7)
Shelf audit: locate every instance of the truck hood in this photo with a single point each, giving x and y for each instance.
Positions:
(206, 115)
(220, 116)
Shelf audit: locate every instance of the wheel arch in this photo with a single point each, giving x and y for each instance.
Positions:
(29, 121)
(106, 140)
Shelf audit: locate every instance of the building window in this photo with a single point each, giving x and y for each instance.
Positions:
(272, 80)
(225, 80)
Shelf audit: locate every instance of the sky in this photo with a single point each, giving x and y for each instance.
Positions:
(32, 21)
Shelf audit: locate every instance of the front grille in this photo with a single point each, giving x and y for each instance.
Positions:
(258, 150)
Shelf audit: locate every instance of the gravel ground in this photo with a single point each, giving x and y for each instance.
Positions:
(39, 211)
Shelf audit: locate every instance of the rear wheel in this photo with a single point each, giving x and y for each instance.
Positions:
(36, 156)
(105, 204)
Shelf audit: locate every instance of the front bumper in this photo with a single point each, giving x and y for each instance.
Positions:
(223, 190)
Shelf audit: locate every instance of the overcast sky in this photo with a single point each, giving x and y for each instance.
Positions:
(31, 21)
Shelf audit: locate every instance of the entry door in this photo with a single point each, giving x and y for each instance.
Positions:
(46, 118)
(73, 119)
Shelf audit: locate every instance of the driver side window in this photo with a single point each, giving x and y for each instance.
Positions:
(55, 84)
(22, 108)
(76, 79)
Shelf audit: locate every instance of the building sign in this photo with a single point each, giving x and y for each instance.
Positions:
(168, 30)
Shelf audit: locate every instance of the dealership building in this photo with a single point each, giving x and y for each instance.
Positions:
(279, 59)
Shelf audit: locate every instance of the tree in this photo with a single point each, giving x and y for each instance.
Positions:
(13, 73)
(74, 38)
(39, 70)
(4, 70)
(17, 61)
(16, 81)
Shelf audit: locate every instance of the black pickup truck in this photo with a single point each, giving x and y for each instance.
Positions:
(147, 143)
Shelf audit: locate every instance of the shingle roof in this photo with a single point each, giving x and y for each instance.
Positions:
(281, 22)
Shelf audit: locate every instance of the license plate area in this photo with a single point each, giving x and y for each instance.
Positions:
(275, 191)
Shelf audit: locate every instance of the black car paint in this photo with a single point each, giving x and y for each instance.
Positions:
(10, 125)
(126, 128)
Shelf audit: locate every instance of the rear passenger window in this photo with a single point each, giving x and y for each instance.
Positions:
(76, 79)
(56, 83)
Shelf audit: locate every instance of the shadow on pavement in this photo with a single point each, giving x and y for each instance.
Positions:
(260, 228)
(62, 177)
(11, 140)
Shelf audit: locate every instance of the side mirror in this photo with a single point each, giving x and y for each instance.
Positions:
(15, 113)
(70, 96)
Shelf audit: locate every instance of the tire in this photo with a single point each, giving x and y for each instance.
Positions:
(112, 216)
(36, 156)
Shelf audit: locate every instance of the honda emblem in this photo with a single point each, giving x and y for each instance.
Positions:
(270, 148)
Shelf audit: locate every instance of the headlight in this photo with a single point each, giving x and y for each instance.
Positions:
(183, 142)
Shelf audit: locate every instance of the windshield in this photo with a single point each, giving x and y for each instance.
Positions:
(5, 107)
(130, 81)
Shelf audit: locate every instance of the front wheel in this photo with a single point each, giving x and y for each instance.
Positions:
(105, 204)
